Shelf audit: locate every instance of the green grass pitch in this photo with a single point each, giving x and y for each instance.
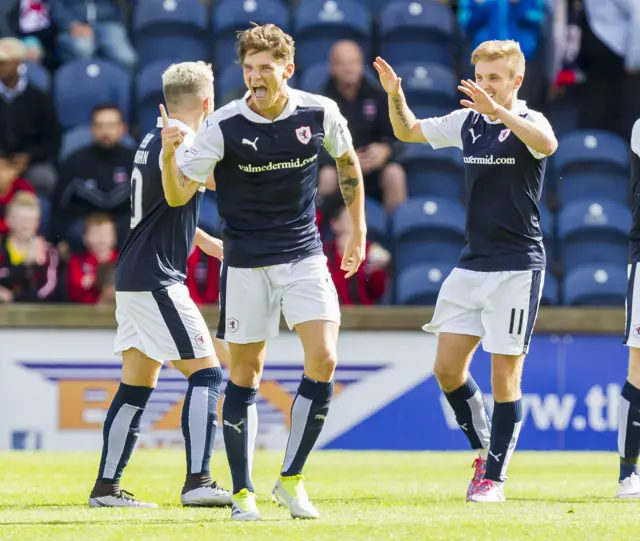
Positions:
(361, 496)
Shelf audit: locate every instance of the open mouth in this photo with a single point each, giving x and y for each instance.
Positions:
(260, 91)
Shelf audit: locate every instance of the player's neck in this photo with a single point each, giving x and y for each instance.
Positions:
(274, 111)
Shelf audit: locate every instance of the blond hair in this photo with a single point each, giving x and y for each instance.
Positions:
(185, 81)
(496, 49)
(267, 37)
(25, 200)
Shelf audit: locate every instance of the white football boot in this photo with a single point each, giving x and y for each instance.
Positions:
(244, 506)
(629, 488)
(209, 496)
(122, 499)
(290, 492)
(487, 491)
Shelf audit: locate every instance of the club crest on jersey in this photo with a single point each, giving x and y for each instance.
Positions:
(303, 133)
(503, 135)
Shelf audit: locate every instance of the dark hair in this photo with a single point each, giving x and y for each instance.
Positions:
(105, 107)
(332, 206)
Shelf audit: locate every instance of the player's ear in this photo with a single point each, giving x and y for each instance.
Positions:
(289, 70)
(518, 82)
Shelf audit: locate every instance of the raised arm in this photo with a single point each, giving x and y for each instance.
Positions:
(178, 189)
(405, 125)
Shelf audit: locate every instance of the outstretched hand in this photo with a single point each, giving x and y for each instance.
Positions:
(172, 136)
(481, 101)
(391, 83)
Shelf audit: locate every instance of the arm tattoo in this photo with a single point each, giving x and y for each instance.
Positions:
(181, 178)
(398, 105)
(348, 179)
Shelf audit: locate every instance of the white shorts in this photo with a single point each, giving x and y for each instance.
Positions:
(632, 304)
(166, 325)
(499, 307)
(251, 300)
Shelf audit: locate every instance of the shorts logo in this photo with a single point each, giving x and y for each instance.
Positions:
(503, 135)
(233, 324)
(199, 340)
(303, 133)
(636, 331)
(193, 151)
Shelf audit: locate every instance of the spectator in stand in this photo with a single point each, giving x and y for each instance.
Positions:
(520, 20)
(610, 58)
(96, 178)
(10, 185)
(107, 283)
(86, 27)
(365, 107)
(100, 248)
(203, 277)
(368, 285)
(28, 264)
(30, 128)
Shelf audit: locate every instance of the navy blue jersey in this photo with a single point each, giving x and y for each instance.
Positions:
(266, 175)
(503, 185)
(634, 235)
(161, 237)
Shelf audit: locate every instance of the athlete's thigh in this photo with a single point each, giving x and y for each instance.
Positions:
(249, 307)
(457, 310)
(138, 369)
(308, 292)
(320, 343)
(510, 311)
(246, 363)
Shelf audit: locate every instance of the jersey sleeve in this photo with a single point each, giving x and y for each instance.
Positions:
(198, 161)
(337, 138)
(635, 138)
(445, 131)
(541, 122)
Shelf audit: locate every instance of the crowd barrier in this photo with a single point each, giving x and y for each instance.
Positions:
(58, 375)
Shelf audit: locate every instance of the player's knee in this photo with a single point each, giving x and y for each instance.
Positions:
(321, 364)
(634, 367)
(448, 375)
(506, 377)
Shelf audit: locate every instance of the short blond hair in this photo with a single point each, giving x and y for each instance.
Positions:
(267, 37)
(25, 200)
(186, 80)
(496, 49)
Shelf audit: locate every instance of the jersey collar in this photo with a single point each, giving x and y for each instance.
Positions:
(519, 108)
(175, 122)
(289, 108)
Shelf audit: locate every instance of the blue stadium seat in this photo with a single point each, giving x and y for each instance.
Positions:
(593, 231)
(149, 93)
(209, 220)
(377, 220)
(424, 229)
(431, 172)
(320, 23)
(548, 232)
(38, 76)
(417, 31)
(592, 164)
(229, 84)
(172, 29)
(81, 137)
(315, 77)
(550, 290)
(428, 84)
(230, 16)
(430, 111)
(420, 284)
(596, 285)
(81, 85)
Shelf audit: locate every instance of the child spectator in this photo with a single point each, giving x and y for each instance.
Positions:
(203, 277)
(368, 285)
(107, 283)
(10, 184)
(28, 264)
(100, 248)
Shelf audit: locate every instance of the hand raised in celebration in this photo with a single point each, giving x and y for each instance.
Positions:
(388, 78)
(172, 136)
(482, 102)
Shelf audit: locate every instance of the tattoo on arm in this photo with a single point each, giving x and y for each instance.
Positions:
(397, 102)
(348, 179)
(181, 178)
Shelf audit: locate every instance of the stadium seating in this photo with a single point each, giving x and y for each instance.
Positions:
(230, 16)
(38, 76)
(417, 31)
(596, 285)
(318, 24)
(420, 284)
(428, 84)
(548, 232)
(377, 222)
(550, 290)
(81, 85)
(149, 94)
(81, 137)
(424, 229)
(592, 164)
(593, 231)
(437, 173)
(170, 29)
(315, 77)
